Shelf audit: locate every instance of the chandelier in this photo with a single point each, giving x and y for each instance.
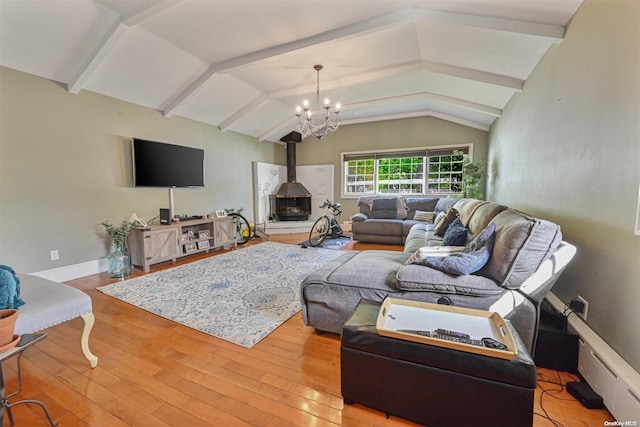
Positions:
(317, 121)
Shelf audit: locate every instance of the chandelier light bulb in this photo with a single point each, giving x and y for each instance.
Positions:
(337, 107)
(305, 103)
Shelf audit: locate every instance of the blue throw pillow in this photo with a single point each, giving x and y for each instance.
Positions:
(460, 263)
(475, 255)
(456, 234)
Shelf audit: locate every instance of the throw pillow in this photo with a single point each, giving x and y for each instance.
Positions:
(439, 218)
(486, 238)
(474, 256)
(437, 251)
(441, 228)
(423, 216)
(460, 263)
(456, 234)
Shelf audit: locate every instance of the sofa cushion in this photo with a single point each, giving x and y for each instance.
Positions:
(384, 208)
(456, 234)
(420, 279)
(482, 216)
(420, 203)
(522, 243)
(466, 208)
(441, 228)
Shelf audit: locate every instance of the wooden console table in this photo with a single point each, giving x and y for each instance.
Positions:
(154, 244)
(26, 341)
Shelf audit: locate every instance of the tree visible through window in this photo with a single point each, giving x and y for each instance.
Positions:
(425, 171)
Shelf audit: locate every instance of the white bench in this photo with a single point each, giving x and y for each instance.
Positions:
(49, 303)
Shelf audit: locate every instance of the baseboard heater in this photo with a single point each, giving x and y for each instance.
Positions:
(608, 374)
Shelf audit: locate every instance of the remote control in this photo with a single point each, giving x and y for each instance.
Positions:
(415, 332)
(452, 333)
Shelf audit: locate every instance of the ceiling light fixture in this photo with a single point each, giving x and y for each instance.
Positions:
(317, 121)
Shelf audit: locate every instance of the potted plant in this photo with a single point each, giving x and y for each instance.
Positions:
(471, 176)
(119, 260)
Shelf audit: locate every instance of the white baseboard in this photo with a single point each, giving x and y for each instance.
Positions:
(75, 271)
(605, 371)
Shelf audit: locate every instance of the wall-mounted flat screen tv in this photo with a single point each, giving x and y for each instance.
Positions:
(158, 164)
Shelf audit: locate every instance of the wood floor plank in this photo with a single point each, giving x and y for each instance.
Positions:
(155, 372)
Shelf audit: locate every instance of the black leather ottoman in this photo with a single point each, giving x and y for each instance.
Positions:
(432, 385)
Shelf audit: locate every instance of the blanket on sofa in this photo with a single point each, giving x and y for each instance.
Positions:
(385, 207)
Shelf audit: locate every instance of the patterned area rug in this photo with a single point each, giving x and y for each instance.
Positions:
(239, 296)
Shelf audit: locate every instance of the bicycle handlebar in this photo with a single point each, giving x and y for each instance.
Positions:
(334, 206)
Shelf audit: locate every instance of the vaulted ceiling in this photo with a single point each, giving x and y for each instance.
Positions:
(244, 65)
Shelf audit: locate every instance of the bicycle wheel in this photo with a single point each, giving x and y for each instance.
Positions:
(243, 230)
(319, 231)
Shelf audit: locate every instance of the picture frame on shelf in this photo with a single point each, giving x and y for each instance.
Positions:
(190, 247)
(220, 213)
(203, 245)
(185, 237)
(204, 234)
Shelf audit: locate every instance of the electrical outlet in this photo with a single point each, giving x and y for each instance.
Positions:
(584, 310)
(54, 255)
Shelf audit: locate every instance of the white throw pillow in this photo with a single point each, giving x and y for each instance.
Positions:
(423, 216)
(437, 251)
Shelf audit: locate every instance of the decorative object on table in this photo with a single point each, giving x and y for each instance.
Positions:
(119, 260)
(8, 319)
(220, 213)
(9, 288)
(239, 296)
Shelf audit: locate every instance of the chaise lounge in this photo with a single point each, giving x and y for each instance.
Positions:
(527, 257)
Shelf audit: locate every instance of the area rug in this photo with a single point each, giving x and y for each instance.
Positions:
(239, 296)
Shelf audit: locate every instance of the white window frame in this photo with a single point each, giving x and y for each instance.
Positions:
(380, 153)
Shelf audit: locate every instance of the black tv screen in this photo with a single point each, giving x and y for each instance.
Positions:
(157, 164)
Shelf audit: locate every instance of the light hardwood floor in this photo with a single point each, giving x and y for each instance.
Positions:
(154, 372)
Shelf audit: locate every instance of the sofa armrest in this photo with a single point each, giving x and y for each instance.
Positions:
(540, 283)
(360, 216)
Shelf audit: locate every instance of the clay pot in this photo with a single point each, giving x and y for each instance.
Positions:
(8, 319)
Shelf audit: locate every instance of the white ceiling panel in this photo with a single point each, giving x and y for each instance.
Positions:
(137, 70)
(244, 65)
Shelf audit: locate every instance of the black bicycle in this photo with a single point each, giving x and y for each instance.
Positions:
(327, 225)
(242, 227)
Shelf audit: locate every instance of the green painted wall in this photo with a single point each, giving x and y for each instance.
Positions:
(567, 148)
(405, 133)
(65, 167)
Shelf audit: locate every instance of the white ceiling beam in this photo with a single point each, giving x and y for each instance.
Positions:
(95, 58)
(256, 103)
(145, 11)
(549, 31)
(111, 37)
(355, 29)
(476, 75)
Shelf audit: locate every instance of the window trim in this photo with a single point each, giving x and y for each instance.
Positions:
(394, 152)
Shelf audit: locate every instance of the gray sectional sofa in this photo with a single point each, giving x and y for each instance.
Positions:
(527, 257)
